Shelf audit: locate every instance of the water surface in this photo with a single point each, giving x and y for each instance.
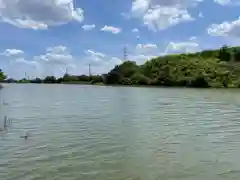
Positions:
(120, 133)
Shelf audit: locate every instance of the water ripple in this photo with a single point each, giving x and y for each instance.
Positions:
(108, 133)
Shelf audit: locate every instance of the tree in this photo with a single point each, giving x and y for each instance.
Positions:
(50, 79)
(37, 80)
(224, 54)
(2, 75)
(236, 54)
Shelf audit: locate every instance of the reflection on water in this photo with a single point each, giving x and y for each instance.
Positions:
(119, 133)
(5, 122)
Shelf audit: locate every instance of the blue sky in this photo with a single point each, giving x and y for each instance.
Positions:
(46, 37)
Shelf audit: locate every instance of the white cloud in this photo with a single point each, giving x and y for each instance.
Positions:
(94, 54)
(143, 52)
(57, 49)
(111, 29)
(71, 66)
(161, 14)
(54, 59)
(200, 15)
(66, 69)
(125, 15)
(142, 58)
(95, 58)
(99, 61)
(184, 47)
(228, 29)
(145, 46)
(58, 55)
(88, 27)
(25, 62)
(116, 60)
(135, 30)
(39, 14)
(192, 38)
(161, 18)
(12, 52)
(228, 2)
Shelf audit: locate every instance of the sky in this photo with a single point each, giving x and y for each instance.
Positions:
(48, 37)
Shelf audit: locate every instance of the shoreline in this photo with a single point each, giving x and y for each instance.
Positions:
(120, 85)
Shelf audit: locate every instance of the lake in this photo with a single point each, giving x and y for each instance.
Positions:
(119, 133)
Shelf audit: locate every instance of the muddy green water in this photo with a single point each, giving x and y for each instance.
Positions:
(120, 133)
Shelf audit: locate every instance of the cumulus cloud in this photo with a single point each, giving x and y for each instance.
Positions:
(54, 59)
(36, 14)
(12, 52)
(135, 30)
(160, 18)
(88, 27)
(142, 58)
(228, 2)
(94, 54)
(143, 52)
(57, 49)
(192, 38)
(186, 47)
(228, 29)
(125, 15)
(161, 14)
(73, 66)
(146, 46)
(58, 55)
(99, 61)
(200, 15)
(116, 60)
(28, 63)
(111, 29)
(95, 58)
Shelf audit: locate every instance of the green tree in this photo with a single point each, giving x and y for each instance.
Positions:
(2, 75)
(50, 79)
(236, 54)
(224, 54)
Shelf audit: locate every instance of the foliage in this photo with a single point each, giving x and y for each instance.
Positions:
(209, 68)
(2, 75)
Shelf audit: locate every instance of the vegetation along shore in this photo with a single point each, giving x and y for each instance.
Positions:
(209, 68)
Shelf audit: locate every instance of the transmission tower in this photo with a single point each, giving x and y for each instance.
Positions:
(89, 70)
(66, 72)
(125, 54)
